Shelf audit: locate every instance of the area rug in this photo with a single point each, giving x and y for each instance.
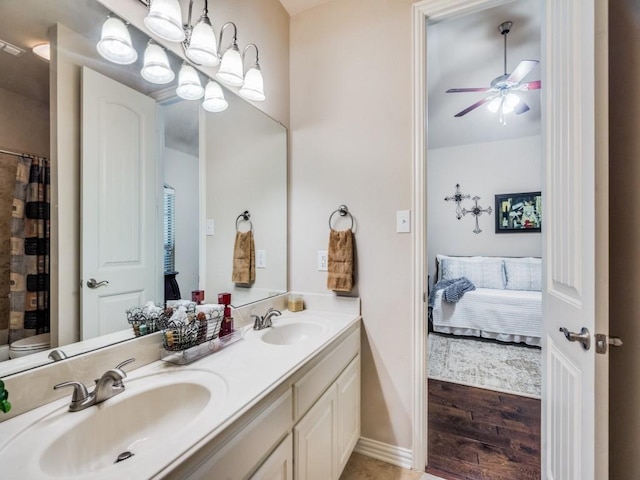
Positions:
(501, 367)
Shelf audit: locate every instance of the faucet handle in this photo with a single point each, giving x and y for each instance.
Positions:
(126, 362)
(80, 392)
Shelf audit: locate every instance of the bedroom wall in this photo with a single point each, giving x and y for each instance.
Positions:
(482, 169)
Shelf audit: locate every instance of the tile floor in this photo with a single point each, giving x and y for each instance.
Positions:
(361, 467)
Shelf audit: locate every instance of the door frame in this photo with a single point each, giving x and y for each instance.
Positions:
(423, 11)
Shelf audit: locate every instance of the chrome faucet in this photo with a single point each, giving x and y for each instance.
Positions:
(265, 321)
(107, 386)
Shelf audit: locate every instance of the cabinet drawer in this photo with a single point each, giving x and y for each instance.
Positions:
(309, 388)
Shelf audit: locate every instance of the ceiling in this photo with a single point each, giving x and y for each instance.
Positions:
(468, 51)
(294, 7)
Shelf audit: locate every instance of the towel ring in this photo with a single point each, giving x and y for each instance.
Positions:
(343, 211)
(245, 216)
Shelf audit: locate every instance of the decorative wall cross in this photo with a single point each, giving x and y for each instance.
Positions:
(476, 211)
(458, 197)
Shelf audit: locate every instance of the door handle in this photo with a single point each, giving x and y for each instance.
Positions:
(584, 337)
(93, 283)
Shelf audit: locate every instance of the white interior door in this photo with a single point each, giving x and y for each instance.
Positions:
(121, 187)
(575, 293)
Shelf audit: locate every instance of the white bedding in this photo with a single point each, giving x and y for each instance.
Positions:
(506, 315)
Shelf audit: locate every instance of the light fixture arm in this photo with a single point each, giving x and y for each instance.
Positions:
(235, 35)
(244, 51)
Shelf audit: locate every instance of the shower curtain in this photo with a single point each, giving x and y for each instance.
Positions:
(29, 276)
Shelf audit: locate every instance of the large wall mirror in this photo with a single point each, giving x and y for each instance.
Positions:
(129, 198)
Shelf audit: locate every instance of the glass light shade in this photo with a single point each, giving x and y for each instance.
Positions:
(43, 51)
(156, 67)
(508, 103)
(494, 104)
(115, 42)
(165, 20)
(214, 98)
(230, 72)
(203, 48)
(189, 86)
(253, 88)
(512, 100)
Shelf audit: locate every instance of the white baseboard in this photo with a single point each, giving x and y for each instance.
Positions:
(401, 457)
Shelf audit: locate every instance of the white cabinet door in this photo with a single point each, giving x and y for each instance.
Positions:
(279, 465)
(348, 385)
(315, 440)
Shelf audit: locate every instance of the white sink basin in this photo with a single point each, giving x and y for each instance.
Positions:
(290, 331)
(154, 419)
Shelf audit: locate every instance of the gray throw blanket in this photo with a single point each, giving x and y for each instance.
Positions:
(454, 289)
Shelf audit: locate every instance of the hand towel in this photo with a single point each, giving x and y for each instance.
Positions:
(340, 261)
(244, 258)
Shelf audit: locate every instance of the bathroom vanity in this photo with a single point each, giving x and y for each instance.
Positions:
(284, 398)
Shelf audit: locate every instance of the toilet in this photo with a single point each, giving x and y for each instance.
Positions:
(29, 345)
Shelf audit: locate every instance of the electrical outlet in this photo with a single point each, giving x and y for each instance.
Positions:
(323, 261)
(261, 259)
(403, 221)
(210, 228)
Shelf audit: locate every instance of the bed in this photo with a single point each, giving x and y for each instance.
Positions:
(506, 304)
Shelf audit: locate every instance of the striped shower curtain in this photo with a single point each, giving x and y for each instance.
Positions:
(29, 269)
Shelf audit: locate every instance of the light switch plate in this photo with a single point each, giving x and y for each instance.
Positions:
(403, 221)
(261, 259)
(210, 227)
(323, 261)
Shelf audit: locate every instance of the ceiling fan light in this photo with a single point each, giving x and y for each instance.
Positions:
(165, 20)
(203, 47)
(156, 67)
(494, 105)
(115, 42)
(512, 100)
(230, 72)
(189, 86)
(253, 88)
(214, 100)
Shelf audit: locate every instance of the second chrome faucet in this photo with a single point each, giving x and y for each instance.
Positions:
(107, 386)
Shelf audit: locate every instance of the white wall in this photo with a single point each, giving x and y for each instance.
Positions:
(25, 124)
(482, 169)
(351, 143)
(181, 172)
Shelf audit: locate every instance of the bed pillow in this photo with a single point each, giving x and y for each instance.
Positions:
(483, 272)
(523, 273)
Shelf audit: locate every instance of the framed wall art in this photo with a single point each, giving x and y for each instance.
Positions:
(519, 212)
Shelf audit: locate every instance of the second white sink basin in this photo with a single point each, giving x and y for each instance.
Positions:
(151, 419)
(288, 330)
(290, 333)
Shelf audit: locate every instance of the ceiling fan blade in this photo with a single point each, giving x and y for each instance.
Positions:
(521, 108)
(474, 106)
(535, 85)
(521, 71)
(464, 90)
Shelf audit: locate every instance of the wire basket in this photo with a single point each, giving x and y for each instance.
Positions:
(198, 328)
(142, 320)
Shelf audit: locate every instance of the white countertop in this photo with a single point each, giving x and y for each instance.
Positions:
(248, 370)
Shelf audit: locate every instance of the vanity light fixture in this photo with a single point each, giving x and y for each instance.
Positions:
(214, 100)
(253, 87)
(156, 67)
(230, 72)
(115, 42)
(165, 20)
(200, 44)
(189, 86)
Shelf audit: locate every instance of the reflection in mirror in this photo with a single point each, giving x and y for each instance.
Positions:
(218, 165)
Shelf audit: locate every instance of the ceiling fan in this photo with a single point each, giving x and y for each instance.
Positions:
(501, 98)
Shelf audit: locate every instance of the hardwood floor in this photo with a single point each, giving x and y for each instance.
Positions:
(478, 434)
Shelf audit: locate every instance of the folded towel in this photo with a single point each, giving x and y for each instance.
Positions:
(454, 289)
(340, 261)
(244, 258)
